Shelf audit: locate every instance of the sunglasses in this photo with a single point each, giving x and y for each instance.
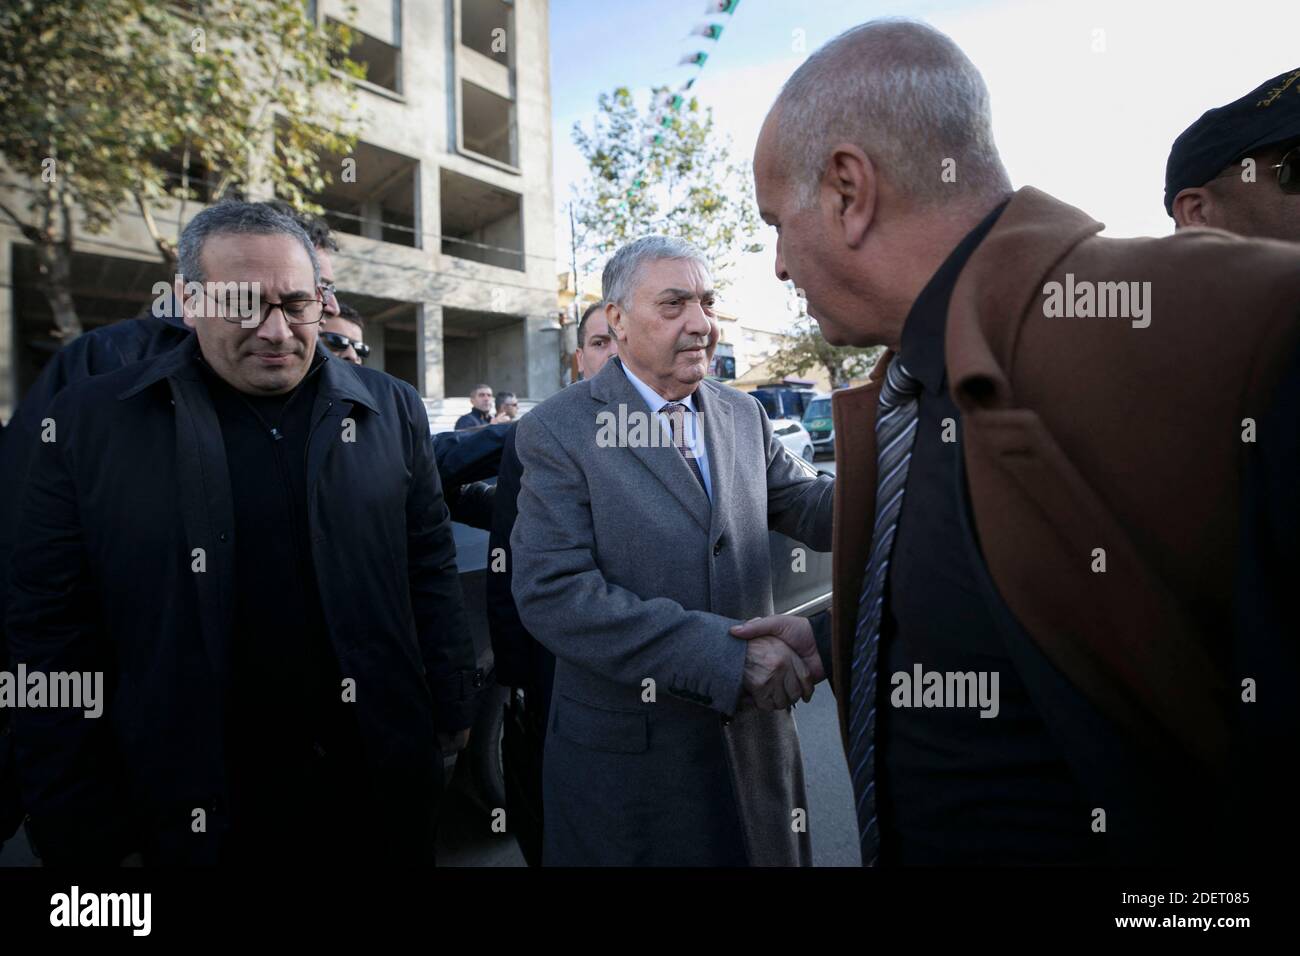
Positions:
(339, 343)
(1288, 171)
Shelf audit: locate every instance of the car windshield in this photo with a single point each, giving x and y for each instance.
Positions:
(820, 408)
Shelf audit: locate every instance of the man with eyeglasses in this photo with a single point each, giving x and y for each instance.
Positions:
(182, 535)
(1237, 168)
(99, 351)
(507, 408)
(342, 334)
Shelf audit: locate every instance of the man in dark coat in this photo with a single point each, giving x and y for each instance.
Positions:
(181, 534)
(158, 329)
(522, 663)
(1052, 497)
(481, 412)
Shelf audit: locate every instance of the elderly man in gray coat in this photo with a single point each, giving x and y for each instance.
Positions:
(642, 539)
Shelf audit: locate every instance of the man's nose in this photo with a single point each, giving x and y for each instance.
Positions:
(275, 327)
(780, 264)
(697, 323)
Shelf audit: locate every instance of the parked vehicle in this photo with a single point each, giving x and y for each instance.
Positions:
(821, 428)
(784, 401)
(793, 436)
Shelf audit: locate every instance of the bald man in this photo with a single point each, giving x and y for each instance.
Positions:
(1038, 493)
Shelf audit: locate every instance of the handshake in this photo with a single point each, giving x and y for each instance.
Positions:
(782, 664)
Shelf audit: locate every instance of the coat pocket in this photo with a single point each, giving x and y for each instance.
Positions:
(615, 731)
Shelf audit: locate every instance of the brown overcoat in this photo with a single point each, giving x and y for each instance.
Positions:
(1088, 433)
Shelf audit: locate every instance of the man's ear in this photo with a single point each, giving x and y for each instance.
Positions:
(614, 318)
(1193, 207)
(849, 187)
(181, 302)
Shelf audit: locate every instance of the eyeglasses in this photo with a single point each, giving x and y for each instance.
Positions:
(339, 343)
(328, 290)
(1288, 171)
(296, 311)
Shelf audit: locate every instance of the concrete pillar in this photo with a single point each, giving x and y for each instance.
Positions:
(543, 355)
(429, 346)
(372, 225)
(374, 336)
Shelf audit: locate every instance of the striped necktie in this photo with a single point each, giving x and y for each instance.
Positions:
(676, 413)
(895, 434)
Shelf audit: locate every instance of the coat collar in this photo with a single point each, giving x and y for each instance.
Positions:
(339, 379)
(1034, 232)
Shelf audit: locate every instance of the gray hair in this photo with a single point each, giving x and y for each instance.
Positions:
(908, 97)
(618, 281)
(236, 218)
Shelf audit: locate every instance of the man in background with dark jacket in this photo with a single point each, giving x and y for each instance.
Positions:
(522, 664)
(178, 535)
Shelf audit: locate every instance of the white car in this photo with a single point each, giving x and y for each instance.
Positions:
(794, 437)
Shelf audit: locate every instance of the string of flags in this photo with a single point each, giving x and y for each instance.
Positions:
(668, 102)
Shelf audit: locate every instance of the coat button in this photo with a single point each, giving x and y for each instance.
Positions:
(717, 548)
(221, 536)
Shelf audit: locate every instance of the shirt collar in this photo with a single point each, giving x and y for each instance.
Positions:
(921, 347)
(653, 398)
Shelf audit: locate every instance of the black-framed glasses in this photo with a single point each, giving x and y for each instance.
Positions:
(300, 310)
(340, 342)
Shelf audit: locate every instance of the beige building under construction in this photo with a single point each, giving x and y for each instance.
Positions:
(446, 232)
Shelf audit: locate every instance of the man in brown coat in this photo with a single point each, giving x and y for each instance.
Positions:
(1037, 496)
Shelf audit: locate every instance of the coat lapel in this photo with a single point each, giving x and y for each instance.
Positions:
(206, 500)
(720, 440)
(663, 461)
(854, 414)
(1121, 637)
(340, 390)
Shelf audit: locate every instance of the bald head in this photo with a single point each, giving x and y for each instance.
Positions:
(908, 97)
(876, 159)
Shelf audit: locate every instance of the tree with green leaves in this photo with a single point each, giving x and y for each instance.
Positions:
(95, 94)
(662, 171)
(805, 348)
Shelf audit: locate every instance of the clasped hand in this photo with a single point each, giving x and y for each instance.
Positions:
(781, 661)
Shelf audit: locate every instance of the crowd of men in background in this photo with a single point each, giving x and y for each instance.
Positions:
(246, 530)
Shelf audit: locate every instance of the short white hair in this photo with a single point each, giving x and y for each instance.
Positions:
(618, 281)
(908, 97)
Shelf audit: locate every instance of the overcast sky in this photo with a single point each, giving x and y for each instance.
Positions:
(1092, 128)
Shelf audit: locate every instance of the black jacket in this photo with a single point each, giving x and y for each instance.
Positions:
(473, 419)
(96, 352)
(103, 578)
